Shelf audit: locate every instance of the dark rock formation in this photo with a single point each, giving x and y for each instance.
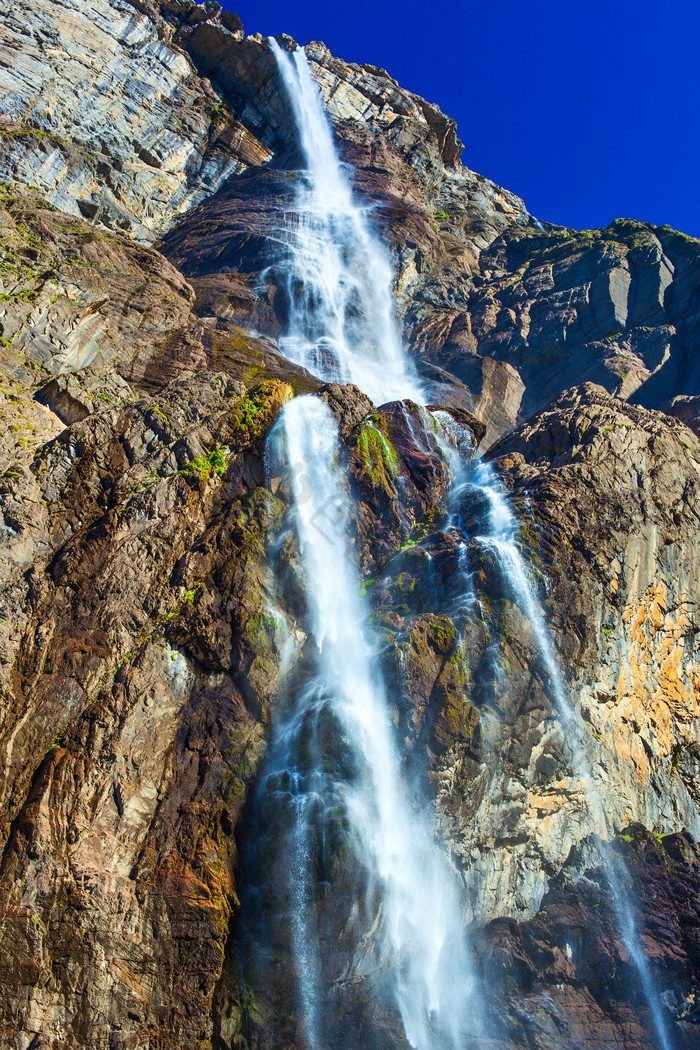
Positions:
(565, 978)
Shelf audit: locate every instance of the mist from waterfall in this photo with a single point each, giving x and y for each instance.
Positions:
(337, 273)
(501, 535)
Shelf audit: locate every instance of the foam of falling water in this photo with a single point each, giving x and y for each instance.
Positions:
(338, 275)
(300, 881)
(421, 931)
(501, 536)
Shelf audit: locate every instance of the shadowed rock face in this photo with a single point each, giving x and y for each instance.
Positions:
(146, 571)
(565, 979)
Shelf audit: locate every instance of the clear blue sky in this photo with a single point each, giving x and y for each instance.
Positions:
(589, 110)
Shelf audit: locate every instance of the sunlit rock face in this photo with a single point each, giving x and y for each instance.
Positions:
(614, 307)
(634, 658)
(607, 495)
(153, 593)
(106, 115)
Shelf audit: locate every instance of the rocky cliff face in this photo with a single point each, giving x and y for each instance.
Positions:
(148, 155)
(107, 117)
(607, 497)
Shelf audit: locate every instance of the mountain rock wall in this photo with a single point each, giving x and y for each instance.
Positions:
(148, 157)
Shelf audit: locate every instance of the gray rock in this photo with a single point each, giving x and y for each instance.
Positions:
(77, 395)
(105, 116)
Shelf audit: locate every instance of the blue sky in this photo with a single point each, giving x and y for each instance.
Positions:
(588, 110)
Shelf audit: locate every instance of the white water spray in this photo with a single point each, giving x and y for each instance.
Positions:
(341, 327)
(338, 276)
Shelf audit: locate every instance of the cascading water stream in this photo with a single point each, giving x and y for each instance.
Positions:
(332, 761)
(332, 767)
(337, 274)
(421, 944)
(501, 536)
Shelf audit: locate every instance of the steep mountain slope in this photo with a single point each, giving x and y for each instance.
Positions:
(150, 157)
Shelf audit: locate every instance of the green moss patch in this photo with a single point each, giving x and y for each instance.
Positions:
(213, 462)
(379, 460)
(257, 410)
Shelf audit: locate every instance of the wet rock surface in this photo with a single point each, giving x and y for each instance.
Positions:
(144, 561)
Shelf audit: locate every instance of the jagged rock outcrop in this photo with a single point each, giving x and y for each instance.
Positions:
(149, 155)
(106, 115)
(75, 298)
(617, 307)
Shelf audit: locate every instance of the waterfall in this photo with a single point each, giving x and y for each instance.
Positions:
(501, 536)
(421, 945)
(337, 275)
(332, 778)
